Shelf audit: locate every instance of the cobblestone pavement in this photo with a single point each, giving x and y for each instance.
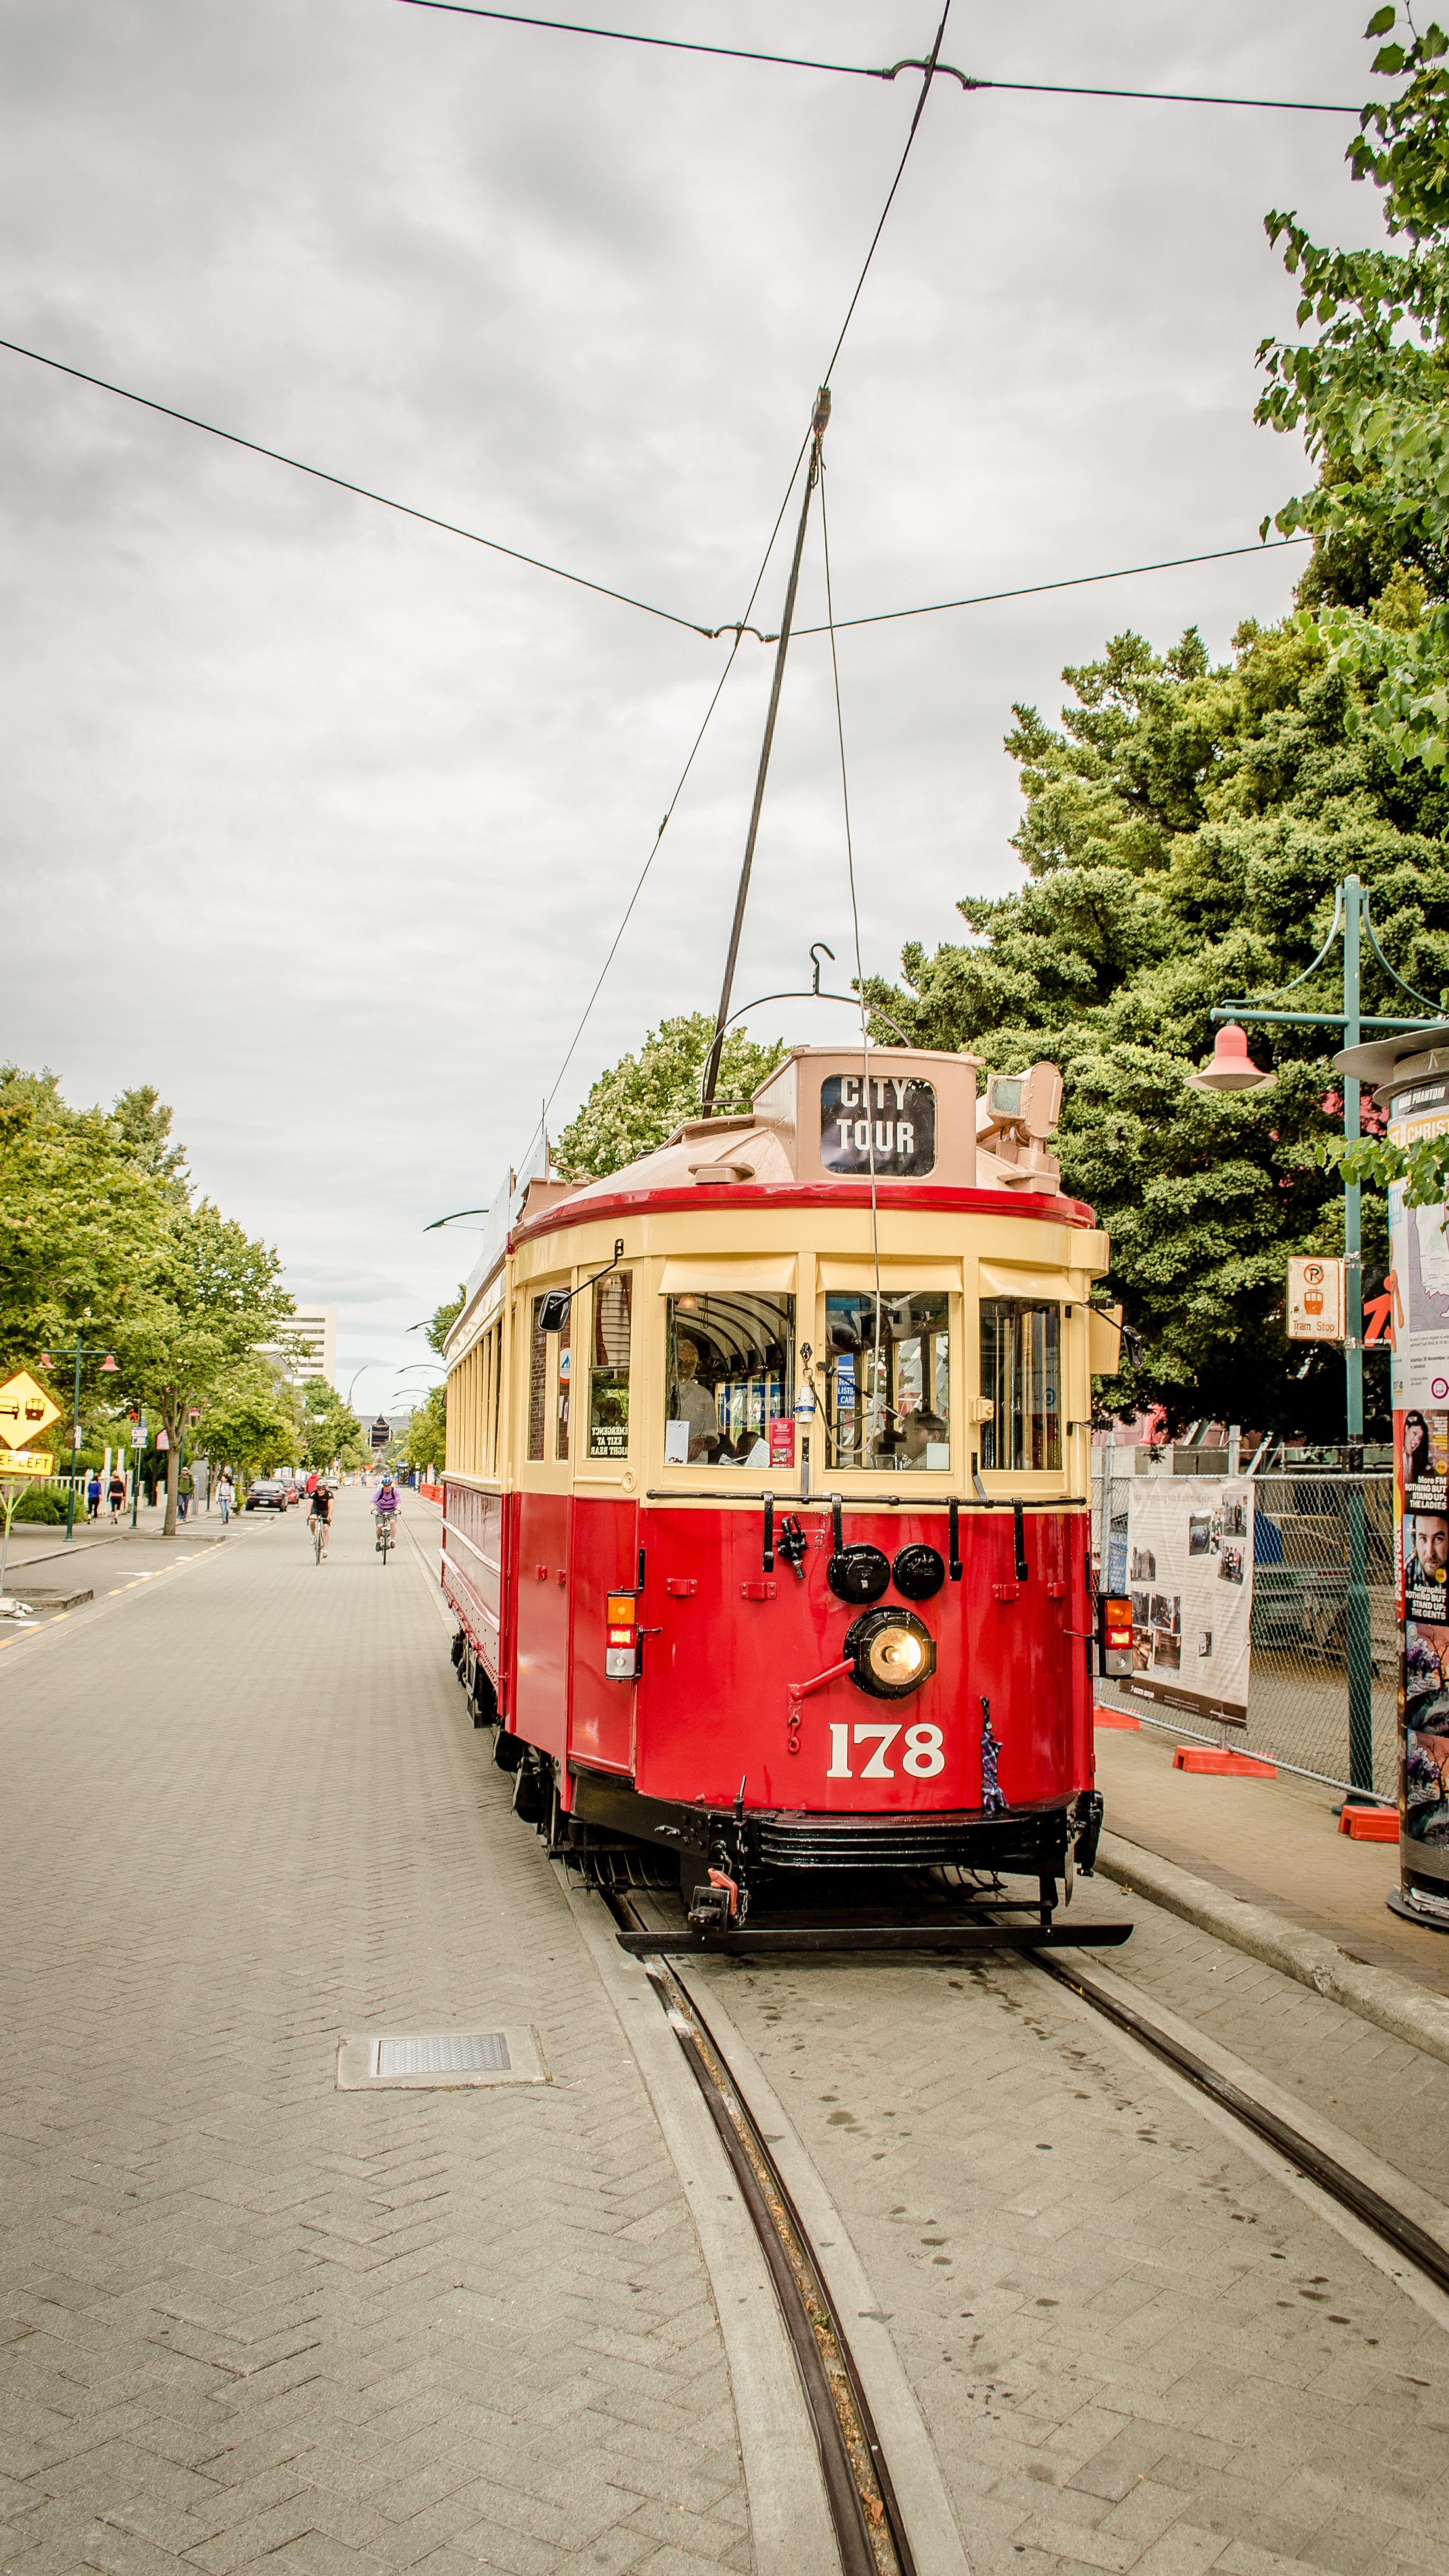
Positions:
(1135, 2348)
(1392, 2097)
(247, 2317)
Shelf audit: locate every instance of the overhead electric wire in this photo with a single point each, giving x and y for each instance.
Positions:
(360, 491)
(633, 899)
(873, 71)
(1032, 589)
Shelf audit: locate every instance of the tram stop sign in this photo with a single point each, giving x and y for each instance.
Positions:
(25, 1411)
(381, 1432)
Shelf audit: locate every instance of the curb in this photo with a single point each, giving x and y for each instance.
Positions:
(1406, 2011)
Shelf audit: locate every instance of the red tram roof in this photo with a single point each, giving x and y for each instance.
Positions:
(595, 1199)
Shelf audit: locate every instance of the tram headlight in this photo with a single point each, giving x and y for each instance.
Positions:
(894, 1653)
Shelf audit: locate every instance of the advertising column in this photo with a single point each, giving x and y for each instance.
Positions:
(1418, 1287)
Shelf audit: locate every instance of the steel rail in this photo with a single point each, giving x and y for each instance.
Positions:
(865, 2512)
(1359, 2198)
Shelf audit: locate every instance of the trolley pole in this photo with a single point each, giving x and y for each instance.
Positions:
(812, 477)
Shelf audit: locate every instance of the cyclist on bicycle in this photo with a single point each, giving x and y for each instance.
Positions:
(320, 1511)
(384, 1507)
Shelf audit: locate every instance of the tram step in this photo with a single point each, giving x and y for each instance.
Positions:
(881, 1936)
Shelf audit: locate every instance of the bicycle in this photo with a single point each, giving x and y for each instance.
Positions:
(386, 1533)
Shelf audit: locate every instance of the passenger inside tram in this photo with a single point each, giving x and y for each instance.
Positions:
(888, 1402)
(729, 1375)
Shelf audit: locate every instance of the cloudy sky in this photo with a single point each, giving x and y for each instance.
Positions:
(321, 820)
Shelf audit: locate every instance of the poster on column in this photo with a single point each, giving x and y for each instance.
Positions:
(1418, 1289)
(1190, 1576)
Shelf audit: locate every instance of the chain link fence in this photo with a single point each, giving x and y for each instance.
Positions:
(1298, 1694)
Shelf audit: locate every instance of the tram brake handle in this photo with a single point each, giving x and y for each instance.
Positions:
(791, 1545)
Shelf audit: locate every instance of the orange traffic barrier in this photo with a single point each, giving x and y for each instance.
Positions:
(1370, 1824)
(1116, 1717)
(1231, 1766)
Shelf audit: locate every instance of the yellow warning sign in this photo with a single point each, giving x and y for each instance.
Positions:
(26, 1462)
(25, 1410)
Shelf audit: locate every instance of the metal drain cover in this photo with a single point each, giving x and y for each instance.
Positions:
(442, 2053)
(441, 2061)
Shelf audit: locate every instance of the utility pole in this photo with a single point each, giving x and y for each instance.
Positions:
(817, 433)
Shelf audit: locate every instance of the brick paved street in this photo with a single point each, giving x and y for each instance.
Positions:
(248, 2317)
(1135, 2349)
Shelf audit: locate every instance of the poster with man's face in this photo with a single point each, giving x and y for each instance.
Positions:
(1426, 1566)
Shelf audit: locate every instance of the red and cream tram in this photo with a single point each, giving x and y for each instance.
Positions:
(766, 1517)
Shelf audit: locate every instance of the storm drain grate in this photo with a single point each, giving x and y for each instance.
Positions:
(441, 2061)
(478, 2052)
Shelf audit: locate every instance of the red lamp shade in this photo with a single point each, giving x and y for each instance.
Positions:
(1230, 1067)
(109, 1366)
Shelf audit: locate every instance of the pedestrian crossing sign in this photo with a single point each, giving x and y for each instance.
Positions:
(25, 1411)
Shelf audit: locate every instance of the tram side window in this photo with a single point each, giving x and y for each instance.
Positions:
(1021, 1375)
(728, 1376)
(537, 1383)
(888, 1392)
(609, 1367)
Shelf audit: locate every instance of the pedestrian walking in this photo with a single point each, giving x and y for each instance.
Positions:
(116, 1493)
(93, 1494)
(183, 1492)
(225, 1497)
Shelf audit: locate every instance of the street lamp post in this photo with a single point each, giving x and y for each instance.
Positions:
(83, 1350)
(1230, 1070)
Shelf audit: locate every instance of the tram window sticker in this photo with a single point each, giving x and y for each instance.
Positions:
(882, 1123)
(728, 1384)
(609, 1368)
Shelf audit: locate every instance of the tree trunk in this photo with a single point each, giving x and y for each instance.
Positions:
(173, 1475)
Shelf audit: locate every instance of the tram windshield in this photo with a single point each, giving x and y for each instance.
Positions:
(729, 1375)
(888, 1397)
(1021, 1375)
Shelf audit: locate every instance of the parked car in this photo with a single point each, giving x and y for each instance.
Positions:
(268, 1494)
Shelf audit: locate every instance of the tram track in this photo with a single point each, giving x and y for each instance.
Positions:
(865, 2511)
(868, 2516)
(1373, 2210)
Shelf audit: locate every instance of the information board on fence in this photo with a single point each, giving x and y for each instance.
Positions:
(1190, 1575)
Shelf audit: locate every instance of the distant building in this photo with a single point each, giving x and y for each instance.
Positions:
(312, 1332)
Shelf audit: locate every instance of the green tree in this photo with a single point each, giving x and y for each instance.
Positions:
(1370, 394)
(78, 1215)
(329, 1428)
(208, 1295)
(427, 1442)
(638, 1103)
(444, 1317)
(1183, 833)
(251, 1425)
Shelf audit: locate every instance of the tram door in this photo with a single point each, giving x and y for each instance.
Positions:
(541, 1635)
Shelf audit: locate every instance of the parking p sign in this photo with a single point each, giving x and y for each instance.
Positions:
(1315, 1300)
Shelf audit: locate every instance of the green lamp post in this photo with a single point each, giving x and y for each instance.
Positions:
(1230, 1069)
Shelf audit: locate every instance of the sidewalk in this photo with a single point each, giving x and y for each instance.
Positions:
(1273, 1842)
(247, 2316)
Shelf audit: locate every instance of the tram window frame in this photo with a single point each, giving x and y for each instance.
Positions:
(756, 1396)
(562, 1380)
(609, 1375)
(943, 1364)
(1003, 1393)
(535, 1412)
